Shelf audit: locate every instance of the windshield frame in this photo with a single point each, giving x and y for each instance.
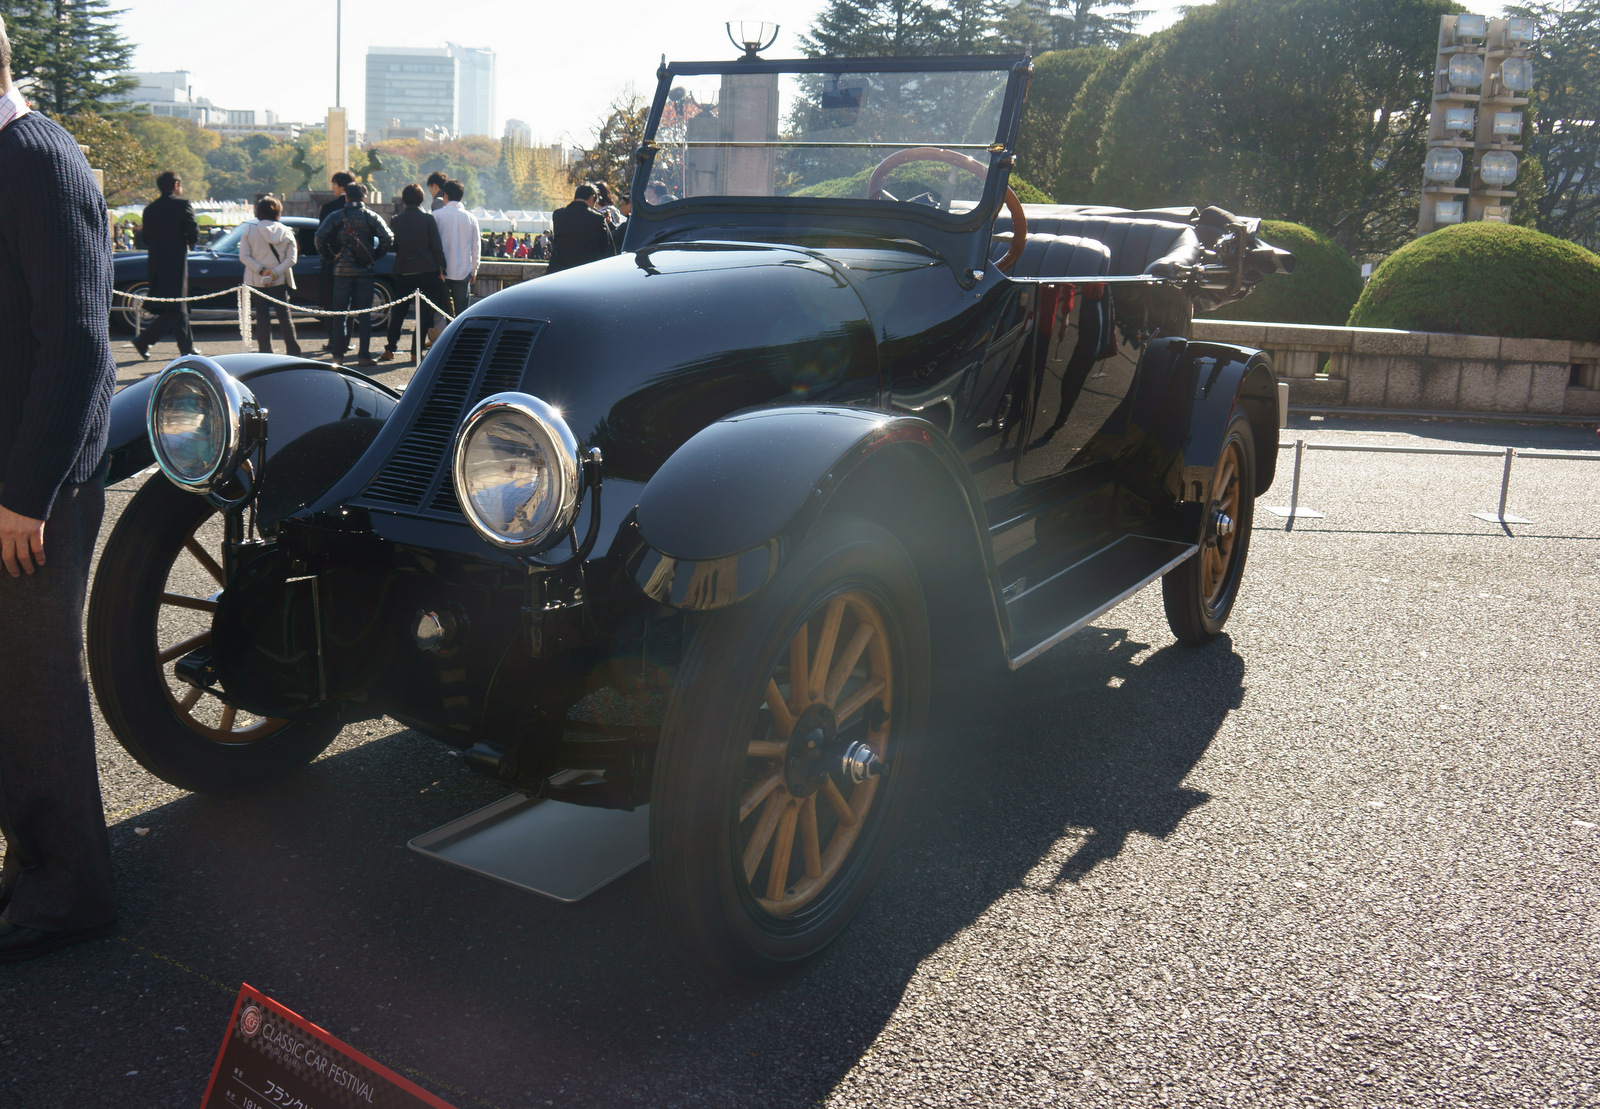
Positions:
(951, 234)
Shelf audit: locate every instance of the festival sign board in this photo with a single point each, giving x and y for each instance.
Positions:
(272, 1058)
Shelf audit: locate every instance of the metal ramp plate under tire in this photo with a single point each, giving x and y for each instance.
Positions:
(557, 850)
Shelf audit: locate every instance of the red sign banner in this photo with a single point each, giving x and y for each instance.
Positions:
(272, 1058)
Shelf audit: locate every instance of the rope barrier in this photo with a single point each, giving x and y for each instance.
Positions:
(244, 292)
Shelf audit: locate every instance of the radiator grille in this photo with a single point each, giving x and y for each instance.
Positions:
(485, 357)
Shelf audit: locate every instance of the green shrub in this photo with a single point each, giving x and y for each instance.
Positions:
(1486, 279)
(908, 180)
(1322, 289)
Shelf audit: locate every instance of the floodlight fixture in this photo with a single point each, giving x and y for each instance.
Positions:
(1469, 26)
(751, 35)
(1460, 119)
(1519, 32)
(1516, 74)
(1466, 71)
(1496, 214)
(1443, 165)
(1508, 123)
(1447, 211)
(1498, 168)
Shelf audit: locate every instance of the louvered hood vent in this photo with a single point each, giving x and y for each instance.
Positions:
(486, 356)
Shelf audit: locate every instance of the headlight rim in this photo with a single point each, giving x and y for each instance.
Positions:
(568, 469)
(236, 404)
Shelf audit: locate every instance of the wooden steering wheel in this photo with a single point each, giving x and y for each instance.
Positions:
(1019, 222)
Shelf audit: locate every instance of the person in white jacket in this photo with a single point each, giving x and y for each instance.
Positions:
(268, 253)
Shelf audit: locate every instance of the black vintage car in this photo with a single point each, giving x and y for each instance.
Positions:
(840, 412)
(215, 267)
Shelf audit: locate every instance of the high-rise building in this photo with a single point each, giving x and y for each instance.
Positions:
(519, 131)
(410, 87)
(474, 89)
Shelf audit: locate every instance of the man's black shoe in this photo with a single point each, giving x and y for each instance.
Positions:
(143, 349)
(18, 943)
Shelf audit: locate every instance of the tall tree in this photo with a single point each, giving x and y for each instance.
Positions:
(1067, 24)
(876, 29)
(1566, 131)
(127, 167)
(69, 54)
(616, 139)
(1314, 111)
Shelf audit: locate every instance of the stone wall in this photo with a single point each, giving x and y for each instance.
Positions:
(1370, 367)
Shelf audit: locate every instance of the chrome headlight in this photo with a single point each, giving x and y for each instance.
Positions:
(202, 423)
(516, 472)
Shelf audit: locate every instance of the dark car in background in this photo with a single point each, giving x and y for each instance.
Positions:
(215, 267)
(854, 412)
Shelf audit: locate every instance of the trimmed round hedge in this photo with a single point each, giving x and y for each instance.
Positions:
(1322, 289)
(1486, 279)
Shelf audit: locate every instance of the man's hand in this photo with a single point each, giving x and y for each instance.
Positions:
(21, 542)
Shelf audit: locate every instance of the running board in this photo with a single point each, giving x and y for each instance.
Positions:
(561, 851)
(1045, 614)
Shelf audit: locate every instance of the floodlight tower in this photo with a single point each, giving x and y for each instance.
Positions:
(1481, 82)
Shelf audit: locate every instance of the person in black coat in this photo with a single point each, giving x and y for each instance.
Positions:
(418, 264)
(170, 233)
(56, 376)
(325, 287)
(579, 233)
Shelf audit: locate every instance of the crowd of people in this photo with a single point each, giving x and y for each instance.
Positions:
(437, 247)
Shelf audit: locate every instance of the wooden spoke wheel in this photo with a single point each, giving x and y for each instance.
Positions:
(152, 603)
(788, 752)
(1199, 595)
(800, 813)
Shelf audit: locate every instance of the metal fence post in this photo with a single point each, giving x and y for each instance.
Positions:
(1292, 510)
(416, 327)
(1500, 517)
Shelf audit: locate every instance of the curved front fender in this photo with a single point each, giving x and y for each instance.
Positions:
(718, 518)
(303, 400)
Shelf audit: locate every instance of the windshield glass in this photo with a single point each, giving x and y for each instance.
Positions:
(829, 135)
(229, 243)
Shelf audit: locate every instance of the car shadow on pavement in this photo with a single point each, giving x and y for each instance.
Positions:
(492, 996)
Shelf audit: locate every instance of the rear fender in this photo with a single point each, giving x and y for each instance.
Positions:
(1187, 393)
(719, 518)
(319, 422)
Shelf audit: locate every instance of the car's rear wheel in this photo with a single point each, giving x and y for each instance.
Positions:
(154, 594)
(132, 314)
(765, 838)
(1199, 595)
(381, 294)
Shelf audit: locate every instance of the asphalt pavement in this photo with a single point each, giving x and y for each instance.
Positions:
(1345, 855)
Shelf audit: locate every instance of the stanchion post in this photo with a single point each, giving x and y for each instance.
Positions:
(1292, 510)
(1500, 517)
(246, 315)
(416, 327)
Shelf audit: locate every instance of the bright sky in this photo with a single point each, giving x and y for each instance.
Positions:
(558, 66)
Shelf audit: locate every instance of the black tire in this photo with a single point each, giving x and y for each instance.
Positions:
(1199, 595)
(719, 715)
(132, 314)
(382, 293)
(206, 746)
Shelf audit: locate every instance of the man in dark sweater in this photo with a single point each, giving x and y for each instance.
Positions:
(56, 376)
(170, 233)
(579, 234)
(350, 241)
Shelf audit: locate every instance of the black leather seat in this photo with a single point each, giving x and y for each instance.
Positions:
(1137, 246)
(1054, 256)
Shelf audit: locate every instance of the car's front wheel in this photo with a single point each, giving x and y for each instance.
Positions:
(381, 294)
(788, 753)
(154, 594)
